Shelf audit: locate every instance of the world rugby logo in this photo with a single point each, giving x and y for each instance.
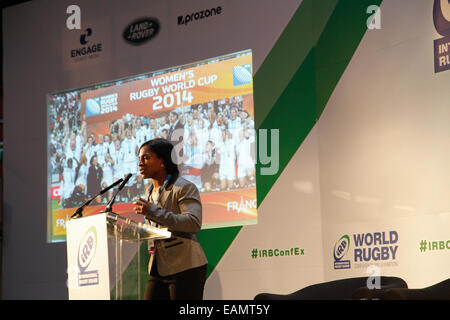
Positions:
(441, 17)
(87, 249)
(340, 250)
(341, 247)
(441, 20)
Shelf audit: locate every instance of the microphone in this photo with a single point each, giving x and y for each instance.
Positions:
(124, 182)
(79, 211)
(111, 202)
(111, 186)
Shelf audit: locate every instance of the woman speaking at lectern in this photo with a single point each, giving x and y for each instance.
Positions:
(178, 266)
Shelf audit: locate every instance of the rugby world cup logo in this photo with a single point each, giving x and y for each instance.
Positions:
(86, 254)
(441, 20)
(340, 250)
(242, 75)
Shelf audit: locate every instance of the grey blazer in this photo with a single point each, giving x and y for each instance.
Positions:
(180, 210)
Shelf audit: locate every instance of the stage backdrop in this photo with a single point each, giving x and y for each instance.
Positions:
(352, 97)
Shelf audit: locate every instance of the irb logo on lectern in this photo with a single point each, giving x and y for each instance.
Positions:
(86, 253)
(87, 258)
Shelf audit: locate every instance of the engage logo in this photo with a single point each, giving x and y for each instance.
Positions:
(87, 49)
(86, 253)
(199, 15)
(441, 19)
(84, 37)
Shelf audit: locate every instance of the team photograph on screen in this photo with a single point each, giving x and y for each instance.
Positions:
(95, 134)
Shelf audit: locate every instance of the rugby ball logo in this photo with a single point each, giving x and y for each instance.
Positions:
(242, 75)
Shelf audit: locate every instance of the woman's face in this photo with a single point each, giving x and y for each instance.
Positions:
(150, 166)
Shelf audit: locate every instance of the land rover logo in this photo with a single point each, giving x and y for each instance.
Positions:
(141, 31)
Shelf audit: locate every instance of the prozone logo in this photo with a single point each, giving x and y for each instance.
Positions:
(199, 15)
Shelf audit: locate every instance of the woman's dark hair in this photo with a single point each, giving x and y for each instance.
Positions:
(92, 159)
(163, 149)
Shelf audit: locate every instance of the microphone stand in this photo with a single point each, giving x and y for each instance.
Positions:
(79, 211)
(111, 202)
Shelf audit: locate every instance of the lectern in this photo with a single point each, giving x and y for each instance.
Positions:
(89, 265)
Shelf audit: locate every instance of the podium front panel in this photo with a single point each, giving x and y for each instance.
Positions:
(107, 251)
(87, 259)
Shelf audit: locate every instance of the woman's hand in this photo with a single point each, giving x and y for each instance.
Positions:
(141, 206)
